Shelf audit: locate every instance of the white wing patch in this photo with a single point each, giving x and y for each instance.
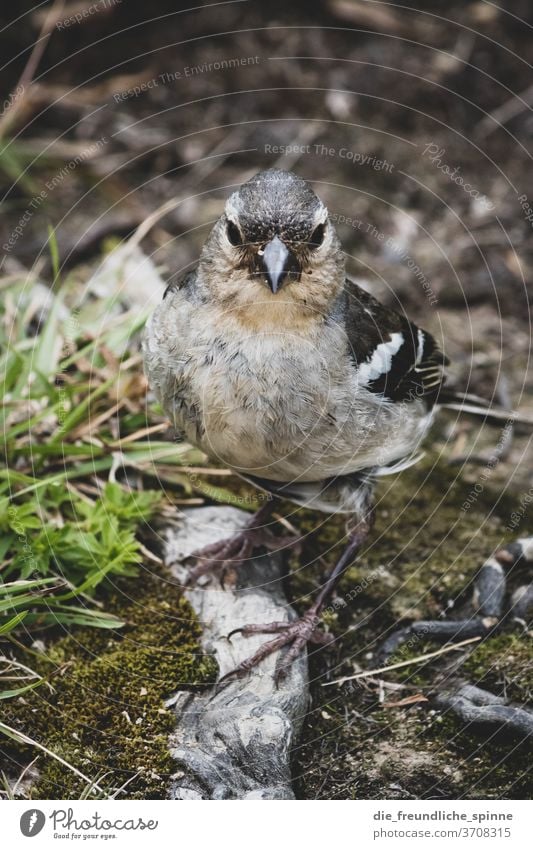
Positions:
(420, 348)
(381, 360)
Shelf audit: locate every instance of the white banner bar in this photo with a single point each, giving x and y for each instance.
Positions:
(269, 825)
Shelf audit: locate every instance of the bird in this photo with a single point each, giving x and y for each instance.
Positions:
(273, 362)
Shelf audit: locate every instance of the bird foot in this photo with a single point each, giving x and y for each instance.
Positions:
(295, 634)
(227, 554)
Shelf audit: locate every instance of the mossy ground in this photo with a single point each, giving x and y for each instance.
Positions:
(105, 713)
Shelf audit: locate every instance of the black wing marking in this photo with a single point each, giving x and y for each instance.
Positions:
(409, 363)
(179, 283)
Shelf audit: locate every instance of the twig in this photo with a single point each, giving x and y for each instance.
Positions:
(473, 705)
(123, 786)
(144, 228)
(92, 424)
(22, 774)
(146, 431)
(503, 114)
(207, 470)
(431, 654)
(149, 554)
(361, 14)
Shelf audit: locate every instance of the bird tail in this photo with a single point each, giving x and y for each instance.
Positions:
(473, 405)
(398, 466)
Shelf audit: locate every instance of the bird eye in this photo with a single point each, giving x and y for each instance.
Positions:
(317, 236)
(234, 234)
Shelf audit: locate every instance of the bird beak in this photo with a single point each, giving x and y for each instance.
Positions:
(277, 263)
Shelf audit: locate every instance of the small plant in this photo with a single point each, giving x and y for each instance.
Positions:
(76, 476)
(72, 417)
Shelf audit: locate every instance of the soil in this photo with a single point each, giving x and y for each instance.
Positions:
(409, 124)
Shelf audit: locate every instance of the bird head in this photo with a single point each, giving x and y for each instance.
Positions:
(274, 252)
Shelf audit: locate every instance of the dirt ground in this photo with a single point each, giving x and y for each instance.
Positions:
(414, 125)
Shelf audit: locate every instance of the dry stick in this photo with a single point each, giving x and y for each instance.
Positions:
(207, 470)
(517, 104)
(85, 430)
(32, 64)
(357, 13)
(12, 663)
(130, 779)
(370, 672)
(146, 431)
(22, 774)
(503, 448)
(144, 228)
(149, 554)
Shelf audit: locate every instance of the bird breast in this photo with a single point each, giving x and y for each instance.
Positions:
(278, 405)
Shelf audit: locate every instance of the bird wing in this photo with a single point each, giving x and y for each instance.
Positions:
(394, 358)
(180, 282)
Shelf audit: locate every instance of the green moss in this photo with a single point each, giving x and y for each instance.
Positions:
(106, 713)
(423, 553)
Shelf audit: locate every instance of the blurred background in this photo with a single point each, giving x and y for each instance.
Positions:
(413, 123)
(123, 128)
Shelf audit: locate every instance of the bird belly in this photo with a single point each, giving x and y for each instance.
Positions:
(278, 406)
(315, 448)
(302, 426)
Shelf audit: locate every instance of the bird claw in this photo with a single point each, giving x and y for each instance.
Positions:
(221, 556)
(228, 677)
(231, 633)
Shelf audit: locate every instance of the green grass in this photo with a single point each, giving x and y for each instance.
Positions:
(74, 418)
(88, 462)
(57, 543)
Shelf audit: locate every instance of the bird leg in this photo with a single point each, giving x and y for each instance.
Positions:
(298, 633)
(489, 595)
(228, 553)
